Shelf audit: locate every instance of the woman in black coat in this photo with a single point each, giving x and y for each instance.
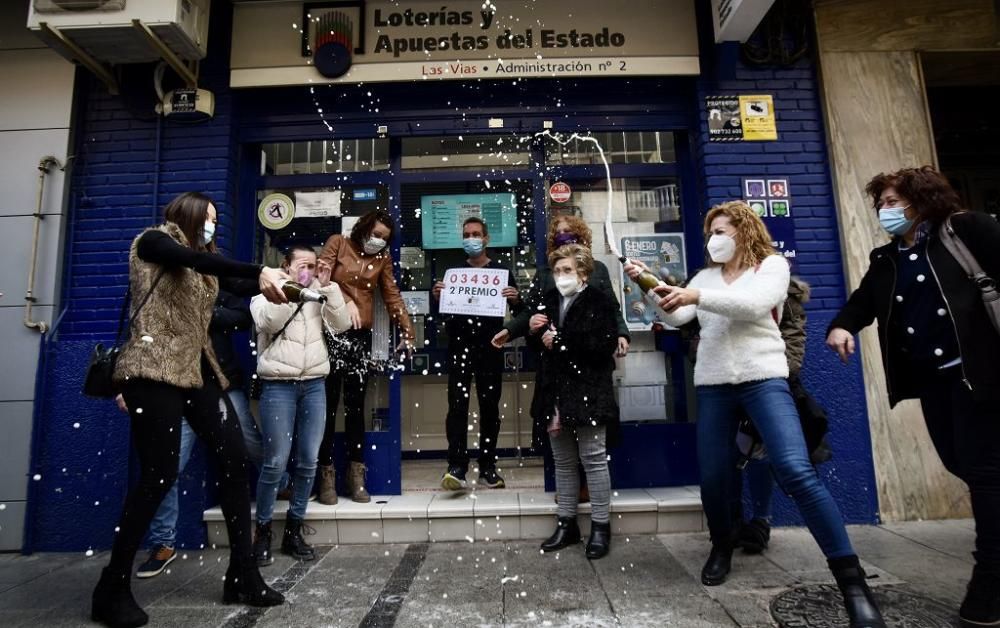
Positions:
(939, 346)
(574, 396)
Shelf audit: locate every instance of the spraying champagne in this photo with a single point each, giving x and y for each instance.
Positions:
(647, 281)
(297, 293)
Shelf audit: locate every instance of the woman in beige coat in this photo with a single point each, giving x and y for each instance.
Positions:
(292, 363)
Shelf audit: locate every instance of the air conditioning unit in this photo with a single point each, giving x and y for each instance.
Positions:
(106, 29)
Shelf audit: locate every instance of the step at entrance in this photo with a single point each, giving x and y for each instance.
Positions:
(479, 515)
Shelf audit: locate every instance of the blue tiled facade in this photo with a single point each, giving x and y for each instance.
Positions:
(81, 453)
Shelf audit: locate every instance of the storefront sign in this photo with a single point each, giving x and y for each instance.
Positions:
(736, 20)
(442, 217)
(664, 254)
(771, 198)
(276, 211)
(474, 292)
(741, 118)
(295, 43)
(560, 192)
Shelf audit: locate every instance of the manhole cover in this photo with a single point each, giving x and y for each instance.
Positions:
(820, 605)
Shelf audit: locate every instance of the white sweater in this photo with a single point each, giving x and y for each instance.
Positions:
(300, 353)
(740, 341)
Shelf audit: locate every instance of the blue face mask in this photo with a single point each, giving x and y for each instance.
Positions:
(473, 246)
(208, 232)
(894, 220)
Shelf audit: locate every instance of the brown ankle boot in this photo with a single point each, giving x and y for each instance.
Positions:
(356, 482)
(327, 489)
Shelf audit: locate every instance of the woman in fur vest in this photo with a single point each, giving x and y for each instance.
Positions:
(167, 370)
(577, 336)
(292, 363)
(741, 368)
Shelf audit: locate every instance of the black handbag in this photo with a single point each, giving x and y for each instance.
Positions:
(99, 379)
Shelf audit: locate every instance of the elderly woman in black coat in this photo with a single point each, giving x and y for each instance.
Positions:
(577, 334)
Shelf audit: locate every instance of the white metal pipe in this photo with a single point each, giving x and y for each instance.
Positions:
(29, 297)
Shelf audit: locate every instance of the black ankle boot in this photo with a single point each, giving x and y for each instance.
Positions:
(599, 543)
(754, 536)
(292, 542)
(262, 544)
(858, 598)
(981, 606)
(567, 533)
(112, 603)
(718, 564)
(247, 586)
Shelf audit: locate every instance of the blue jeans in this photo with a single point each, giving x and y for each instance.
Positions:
(769, 405)
(287, 409)
(163, 528)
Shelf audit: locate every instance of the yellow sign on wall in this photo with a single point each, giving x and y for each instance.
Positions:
(757, 115)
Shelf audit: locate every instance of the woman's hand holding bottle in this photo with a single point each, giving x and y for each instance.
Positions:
(270, 281)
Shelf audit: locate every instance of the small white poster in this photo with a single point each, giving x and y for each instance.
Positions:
(317, 204)
(417, 301)
(474, 292)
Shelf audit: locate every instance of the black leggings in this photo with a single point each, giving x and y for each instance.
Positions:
(156, 410)
(350, 370)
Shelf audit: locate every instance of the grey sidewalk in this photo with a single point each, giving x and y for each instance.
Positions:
(646, 581)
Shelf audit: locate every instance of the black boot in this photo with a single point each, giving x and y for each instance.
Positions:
(858, 598)
(292, 542)
(981, 606)
(567, 533)
(718, 564)
(112, 603)
(754, 536)
(599, 543)
(262, 544)
(247, 586)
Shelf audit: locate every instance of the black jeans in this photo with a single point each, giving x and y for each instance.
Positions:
(966, 435)
(485, 364)
(351, 372)
(156, 410)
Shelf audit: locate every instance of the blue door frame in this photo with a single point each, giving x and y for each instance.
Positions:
(653, 454)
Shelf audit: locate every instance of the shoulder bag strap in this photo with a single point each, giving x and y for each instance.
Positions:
(128, 294)
(959, 251)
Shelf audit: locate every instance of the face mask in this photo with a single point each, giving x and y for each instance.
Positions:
(473, 246)
(567, 284)
(374, 245)
(208, 232)
(894, 220)
(721, 248)
(564, 238)
(305, 277)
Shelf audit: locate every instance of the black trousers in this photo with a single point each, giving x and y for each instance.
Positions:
(966, 435)
(349, 371)
(485, 364)
(156, 410)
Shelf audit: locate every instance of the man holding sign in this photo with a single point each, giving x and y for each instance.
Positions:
(473, 301)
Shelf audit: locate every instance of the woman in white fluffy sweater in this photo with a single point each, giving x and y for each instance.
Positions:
(741, 365)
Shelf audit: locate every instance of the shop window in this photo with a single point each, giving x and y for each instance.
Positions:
(466, 152)
(325, 156)
(620, 147)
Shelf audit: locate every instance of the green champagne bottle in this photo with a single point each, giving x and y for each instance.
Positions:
(297, 293)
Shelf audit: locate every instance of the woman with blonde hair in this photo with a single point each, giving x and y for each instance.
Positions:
(741, 369)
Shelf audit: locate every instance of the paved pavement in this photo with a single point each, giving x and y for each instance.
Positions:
(646, 581)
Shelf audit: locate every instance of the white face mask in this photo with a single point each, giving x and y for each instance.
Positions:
(721, 248)
(567, 284)
(208, 232)
(374, 245)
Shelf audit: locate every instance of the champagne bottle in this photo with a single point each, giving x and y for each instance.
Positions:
(646, 282)
(297, 293)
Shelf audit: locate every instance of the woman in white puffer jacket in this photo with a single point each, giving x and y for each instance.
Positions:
(292, 363)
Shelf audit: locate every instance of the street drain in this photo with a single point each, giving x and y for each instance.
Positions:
(820, 605)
